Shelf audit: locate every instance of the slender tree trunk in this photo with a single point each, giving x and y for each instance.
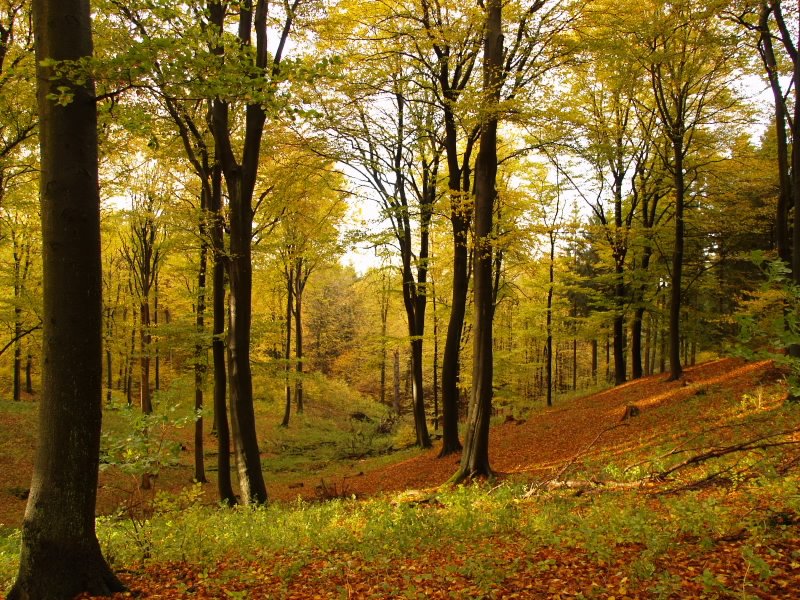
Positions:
(594, 361)
(549, 324)
(298, 337)
(200, 351)
(17, 389)
(384, 321)
(475, 457)
(28, 369)
(396, 395)
(287, 355)
(452, 344)
(155, 346)
(60, 556)
(677, 262)
(145, 400)
(224, 485)
(435, 361)
(785, 195)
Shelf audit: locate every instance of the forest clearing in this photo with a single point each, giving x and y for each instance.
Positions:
(553, 524)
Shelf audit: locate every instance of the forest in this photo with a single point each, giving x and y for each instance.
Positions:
(325, 264)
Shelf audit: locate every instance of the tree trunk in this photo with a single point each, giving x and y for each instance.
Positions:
(155, 346)
(144, 361)
(17, 389)
(240, 269)
(785, 195)
(475, 457)
(549, 323)
(200, 351)
(287, 355)
(224, 486)
(298, 337)
(60, 557)
(677, 261)
(396, 396)
(452, 345)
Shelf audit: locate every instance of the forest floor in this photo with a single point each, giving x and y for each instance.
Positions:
(582, 448)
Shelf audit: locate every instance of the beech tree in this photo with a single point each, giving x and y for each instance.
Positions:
(240, 174)
(475, 457)
(60, 556)
(690, 60)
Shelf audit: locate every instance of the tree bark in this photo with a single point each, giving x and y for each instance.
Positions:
(200, 348)
(240, 179)
(475, 457)
(287, 355)
(675, 369)
(224, 484)
(60, 556)
(301, 278)
(549, 323)
(145, 400)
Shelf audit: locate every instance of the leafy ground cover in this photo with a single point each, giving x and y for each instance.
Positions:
(696, 497)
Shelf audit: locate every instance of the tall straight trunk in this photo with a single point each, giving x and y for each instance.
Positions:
(675, 369)
(384, 322)
(224, 485)
(475, 457)
(549, 324)
(240, 381)
(200, 350)
(648, 339)
(60, 556)
(17, 388)
(29, 369)
(638, 318)
(145, 401)
(794, 349)
(298, 338)
(452, 344)
(155, 346)
(435, 361)
(287, 355)
(396, 388)
(240, 173)
(785, 195)
(594, 361)
(636, 343)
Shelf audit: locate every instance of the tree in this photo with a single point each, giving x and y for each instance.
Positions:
(690, 60)
(143, 249)
(60, 556)
(240, 177)
(475, 458)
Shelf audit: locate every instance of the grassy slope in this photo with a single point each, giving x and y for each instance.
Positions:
(736, 536)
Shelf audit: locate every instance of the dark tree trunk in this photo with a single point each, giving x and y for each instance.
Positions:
(549, 322)
(224, 486)
(475, 457)
(452, 345)
(200, 348)
(785, 194)
(677, 260)
(145, 400)
(240, 178)
(17, 388)
(396, 390)
(29, 368)
(60, 556)
(287, 355)
(300, 284)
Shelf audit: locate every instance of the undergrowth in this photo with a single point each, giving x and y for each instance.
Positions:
(381, 533)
